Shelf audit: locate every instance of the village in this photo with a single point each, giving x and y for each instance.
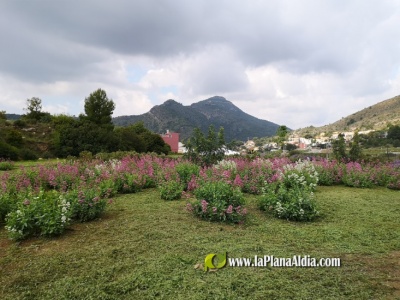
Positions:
(322, 143)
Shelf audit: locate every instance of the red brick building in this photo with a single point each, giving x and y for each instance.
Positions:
(172, 139)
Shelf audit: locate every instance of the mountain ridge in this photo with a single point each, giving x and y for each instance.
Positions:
(375, 117)
(218, 111)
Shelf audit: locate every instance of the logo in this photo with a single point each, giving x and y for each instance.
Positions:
(209, 264)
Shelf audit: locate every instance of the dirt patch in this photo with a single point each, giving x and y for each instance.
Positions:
(387, 268)
(393, 268)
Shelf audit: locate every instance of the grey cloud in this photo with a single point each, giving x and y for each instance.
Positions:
(299, 37)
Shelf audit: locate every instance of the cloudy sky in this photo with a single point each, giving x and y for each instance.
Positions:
(297, 63)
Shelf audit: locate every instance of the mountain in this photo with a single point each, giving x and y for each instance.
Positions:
(375, 117)
(13, 117)
(218, 111)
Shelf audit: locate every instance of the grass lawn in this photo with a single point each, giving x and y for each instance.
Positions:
(144, 248)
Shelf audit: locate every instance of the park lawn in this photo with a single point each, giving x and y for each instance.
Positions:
(144, 248)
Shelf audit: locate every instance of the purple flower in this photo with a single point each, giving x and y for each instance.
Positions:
(204, 205)
(189, 207)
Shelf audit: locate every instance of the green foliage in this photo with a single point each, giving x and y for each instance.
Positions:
(302, 175)
(185, 171)
(129, 139)
(339, 147)
(8, 152)
(99, 108)
(171, 190)
(34, 108)
(27, 154)
(14, 138)
(20, 123)
(218, 201)
(292, 198)
(355, 152)
(295, 203)
(206, 150)
(47, 214)
(75, 136)
(394, 132)
(138, 138)
(86, 155)
(281, 133)
(86, 203)
(6, 165)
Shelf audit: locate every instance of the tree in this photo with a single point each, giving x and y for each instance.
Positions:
(282, 132)
(34, 108)
(394, 133)
(206, 150)
(99, 108)
(129, 140)
(339, 147)
(355, 150)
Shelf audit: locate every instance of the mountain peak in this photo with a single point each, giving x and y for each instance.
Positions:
(215, 110)
(171, 102)
(217, 98)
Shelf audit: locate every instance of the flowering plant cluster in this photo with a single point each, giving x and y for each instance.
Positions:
(47, 214)
(87, 185)
(301, 174)
(218, 201)
(295, 203)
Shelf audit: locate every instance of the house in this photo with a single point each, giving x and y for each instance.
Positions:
(172, 139)
(304, 143)
(181, 148)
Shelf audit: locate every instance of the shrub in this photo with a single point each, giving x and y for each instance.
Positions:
(8, 152)
(46, 214)
(294, 203)
(128, 183)
(171, 190)
(6, 165)
(356, 176)
(27, 154)
(86, 203)
(218, 201)
(302, 174)
(329, 172)
(86, 155)
(185, 171)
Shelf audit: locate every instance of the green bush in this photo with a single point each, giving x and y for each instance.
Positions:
(295, 203)
(185, 171)
(171, 190)
(6, 165)
(46, 214)
(27, 154)
(8, 152)
(86, 204)
(218, 201)
(85, 155)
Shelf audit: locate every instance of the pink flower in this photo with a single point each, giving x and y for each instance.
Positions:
(27, 202)
(214, 209)
(238, 181)
(189, 207)
(204, 205)
(229, 209)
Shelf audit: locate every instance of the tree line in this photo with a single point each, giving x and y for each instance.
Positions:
(63, 135)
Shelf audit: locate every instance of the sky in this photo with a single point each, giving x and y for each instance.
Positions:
(294, 63)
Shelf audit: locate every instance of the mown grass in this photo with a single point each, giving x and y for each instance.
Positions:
(144, 248)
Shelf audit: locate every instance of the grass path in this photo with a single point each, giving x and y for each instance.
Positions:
(144, 248)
